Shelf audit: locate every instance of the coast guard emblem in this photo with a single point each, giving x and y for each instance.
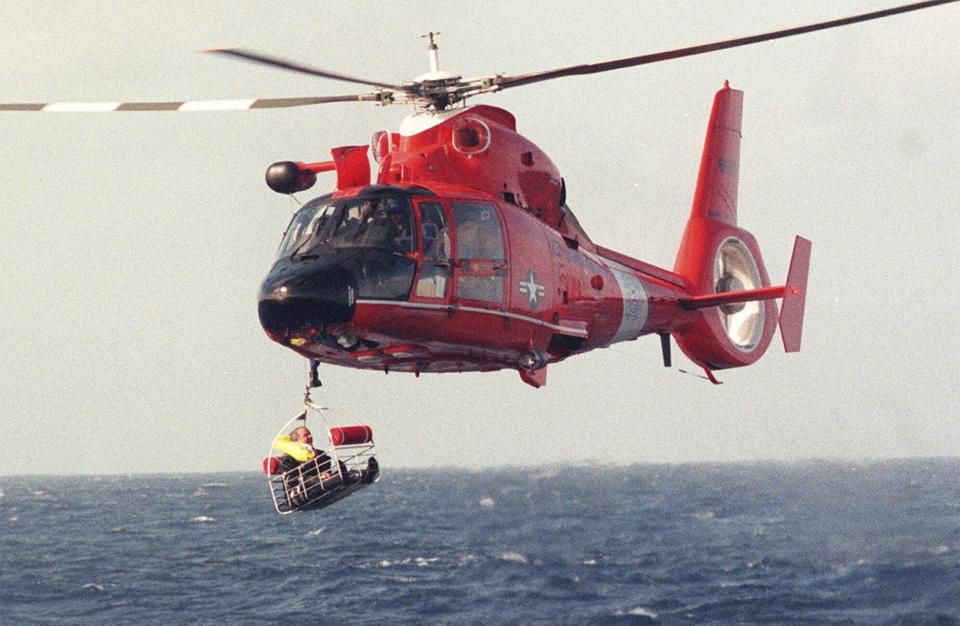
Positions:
(532, 289)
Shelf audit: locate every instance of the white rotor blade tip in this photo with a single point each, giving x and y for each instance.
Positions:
(216, 105)
(82, 107)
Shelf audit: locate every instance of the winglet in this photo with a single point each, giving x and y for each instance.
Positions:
(794, 296)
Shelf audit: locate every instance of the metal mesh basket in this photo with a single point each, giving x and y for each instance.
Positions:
(345, 465)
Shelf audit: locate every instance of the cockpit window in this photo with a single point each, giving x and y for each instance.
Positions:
(308, 221)
(375, 223)
(385, 223)
(371, 238)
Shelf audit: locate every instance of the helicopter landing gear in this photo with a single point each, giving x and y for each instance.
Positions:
(532, 360)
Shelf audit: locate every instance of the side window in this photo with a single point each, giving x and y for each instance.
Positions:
(478, 232)
(436, 238)
(435, 270)
(480, 252)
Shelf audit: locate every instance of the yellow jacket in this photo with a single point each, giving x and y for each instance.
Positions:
(297, 449)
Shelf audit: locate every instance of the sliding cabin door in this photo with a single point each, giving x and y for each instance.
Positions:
(480, 255)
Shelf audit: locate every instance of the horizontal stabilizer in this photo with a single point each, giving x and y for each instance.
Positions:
(731, 297)
(795, 295)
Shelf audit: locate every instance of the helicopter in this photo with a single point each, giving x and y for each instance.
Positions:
(462, 254)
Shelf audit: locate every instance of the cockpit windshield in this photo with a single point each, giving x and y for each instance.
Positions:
(370, 238)
(384, 223)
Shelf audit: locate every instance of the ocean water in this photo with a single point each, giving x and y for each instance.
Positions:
(806, 543)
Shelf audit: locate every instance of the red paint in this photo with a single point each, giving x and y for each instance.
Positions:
(350, 435)
(791, 311)
(577, 303)
(271, 465)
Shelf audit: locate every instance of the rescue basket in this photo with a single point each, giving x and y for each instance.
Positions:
(344, 461)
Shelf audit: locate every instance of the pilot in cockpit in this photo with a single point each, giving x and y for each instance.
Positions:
(385, 226)
(401, 237)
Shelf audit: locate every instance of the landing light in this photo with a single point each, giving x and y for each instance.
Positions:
(532, 360)
(346, 341)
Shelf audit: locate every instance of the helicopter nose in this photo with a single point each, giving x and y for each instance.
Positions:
(307, 297)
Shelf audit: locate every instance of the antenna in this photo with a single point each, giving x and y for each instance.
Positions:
(432, 52)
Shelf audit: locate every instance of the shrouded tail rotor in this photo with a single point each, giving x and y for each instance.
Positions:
(736, 270)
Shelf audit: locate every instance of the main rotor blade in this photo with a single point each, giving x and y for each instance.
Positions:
(191, 105)
(296, 67)
(503, 82)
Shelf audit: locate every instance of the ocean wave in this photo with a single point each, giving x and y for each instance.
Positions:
(640, 611)
(546, 474)
(514, 557)
(404, 579)
(621, 546)
(419, 561)
(842, 569)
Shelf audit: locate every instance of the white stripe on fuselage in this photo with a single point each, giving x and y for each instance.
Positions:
(636, 300)
(636, 305)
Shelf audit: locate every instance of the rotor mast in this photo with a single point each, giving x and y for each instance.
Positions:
(432, 53)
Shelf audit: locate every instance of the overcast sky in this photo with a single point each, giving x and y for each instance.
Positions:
(132, 245)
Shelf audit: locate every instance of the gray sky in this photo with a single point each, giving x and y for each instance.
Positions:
(132, 245)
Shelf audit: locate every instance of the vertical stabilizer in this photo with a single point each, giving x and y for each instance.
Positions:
(713, 214)
(716, 194)
(717, 256)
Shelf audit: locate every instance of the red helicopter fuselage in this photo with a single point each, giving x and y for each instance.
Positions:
(464, 256)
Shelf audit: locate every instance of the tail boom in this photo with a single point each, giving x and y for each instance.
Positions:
(732, 297)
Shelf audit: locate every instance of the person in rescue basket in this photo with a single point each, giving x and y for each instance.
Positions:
(314, 464)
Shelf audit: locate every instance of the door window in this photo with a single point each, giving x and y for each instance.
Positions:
(480, 252)
(435, 269)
